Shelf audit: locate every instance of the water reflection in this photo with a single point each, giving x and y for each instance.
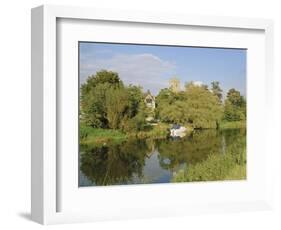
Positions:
(150, 161)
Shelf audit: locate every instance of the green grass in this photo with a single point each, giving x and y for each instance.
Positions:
(98, 136)
(89, 135)
(216, 167)
(232, 125)
(237, 173)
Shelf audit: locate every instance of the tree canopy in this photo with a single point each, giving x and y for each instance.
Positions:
(107, 103)
(196, 106)
(235, 106)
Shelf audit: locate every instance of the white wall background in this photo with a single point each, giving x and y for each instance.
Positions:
(15, 112)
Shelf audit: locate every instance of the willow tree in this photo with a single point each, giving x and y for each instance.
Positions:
(204, 108)
(116, 103)
(92, 99)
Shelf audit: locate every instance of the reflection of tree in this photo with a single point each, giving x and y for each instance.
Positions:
(188, 150)
(115, 164)
(230, 165)
(236, 145)
(195, 148)
(124, 163)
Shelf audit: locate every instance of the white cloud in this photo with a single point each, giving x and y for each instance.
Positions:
(146, 70)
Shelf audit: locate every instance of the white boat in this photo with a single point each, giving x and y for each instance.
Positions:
(177, 131)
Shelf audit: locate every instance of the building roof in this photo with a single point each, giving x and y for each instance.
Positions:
(148, 94)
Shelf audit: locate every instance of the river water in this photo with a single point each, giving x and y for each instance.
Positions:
(151, 161)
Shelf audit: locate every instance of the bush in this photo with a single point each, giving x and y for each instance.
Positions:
(134, 124)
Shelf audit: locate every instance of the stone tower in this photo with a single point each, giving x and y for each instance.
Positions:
(174, 84)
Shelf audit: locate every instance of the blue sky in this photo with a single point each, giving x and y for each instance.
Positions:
(152, 66)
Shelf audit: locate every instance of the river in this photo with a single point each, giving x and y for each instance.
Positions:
(151, 161)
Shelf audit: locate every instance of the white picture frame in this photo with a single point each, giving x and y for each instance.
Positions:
(47, 182)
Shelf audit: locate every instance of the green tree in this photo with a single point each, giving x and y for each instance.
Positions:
(102, 77)
(175, 113)
(196, 106)
(204, 108)
(135, 99)
(106, 103)
(93, 95)
(165, 104)
(93, 111)
(234, 106)
(116, 103)
(216, 89)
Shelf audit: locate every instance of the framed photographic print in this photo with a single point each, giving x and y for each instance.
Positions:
(137, 114)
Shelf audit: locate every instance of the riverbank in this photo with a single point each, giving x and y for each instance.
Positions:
(98, 136)
(232, 125)
(215, 168)
(89, 135)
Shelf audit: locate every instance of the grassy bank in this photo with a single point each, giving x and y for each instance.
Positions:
(89, 135)
(216, 167)
(152, 131)
(232, 125)
(228, 166)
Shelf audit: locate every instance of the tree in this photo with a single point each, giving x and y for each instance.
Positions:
(234, 97)
(92, 106)
(106, 103)
(234, 106)
(117, 103)
(135, 99)
(216, 89)
(204, 108)
(196, 106)
(93, 95)
(165, 98)
(102, 77)
(175, 113)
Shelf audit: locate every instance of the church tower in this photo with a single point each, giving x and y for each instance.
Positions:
(174, 84)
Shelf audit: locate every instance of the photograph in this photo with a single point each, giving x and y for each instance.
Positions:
(153, 113)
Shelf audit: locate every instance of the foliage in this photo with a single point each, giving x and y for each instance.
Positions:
(205, 110)
(137, 123)
(174, 113)
(107, 103)
(216, 89)
(101, 77)
(116, 102)
(196, 106)
(136, 100)
(234, 106)
(159, 131)
(93, 95)
(231, 165)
